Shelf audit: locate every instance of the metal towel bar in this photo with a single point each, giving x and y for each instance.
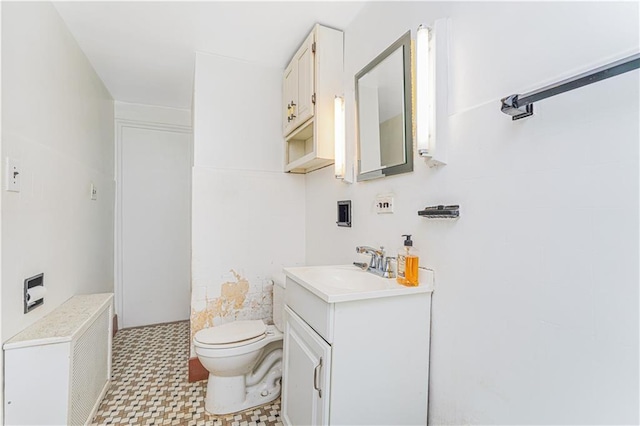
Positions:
(521, 106)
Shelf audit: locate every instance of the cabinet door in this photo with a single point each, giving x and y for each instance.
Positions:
(289, 96)
(304, 60)
(306, 375)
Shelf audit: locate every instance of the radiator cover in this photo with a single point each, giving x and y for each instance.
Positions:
(58, 370)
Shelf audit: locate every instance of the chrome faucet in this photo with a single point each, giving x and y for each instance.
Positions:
(379, 263)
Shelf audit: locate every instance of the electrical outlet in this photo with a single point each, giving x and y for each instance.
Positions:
(384, 204)
(94, 192)
(12, 178)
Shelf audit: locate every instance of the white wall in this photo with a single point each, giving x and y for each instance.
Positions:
(1, 168)
(247, 215)
(57, 119)
(535, 313)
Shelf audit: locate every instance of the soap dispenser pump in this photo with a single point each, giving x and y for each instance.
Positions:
(407, 273)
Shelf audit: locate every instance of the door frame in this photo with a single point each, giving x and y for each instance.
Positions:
(120, 125)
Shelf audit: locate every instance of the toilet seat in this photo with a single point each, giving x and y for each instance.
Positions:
(238, 333)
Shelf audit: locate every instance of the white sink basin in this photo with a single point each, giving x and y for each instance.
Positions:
(347, 277)
(341, 283)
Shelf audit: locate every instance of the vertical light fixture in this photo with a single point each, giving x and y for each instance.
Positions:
(432, 85)
(339, 139)
(424, 107)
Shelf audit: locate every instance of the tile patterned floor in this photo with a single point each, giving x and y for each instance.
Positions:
(149, 384)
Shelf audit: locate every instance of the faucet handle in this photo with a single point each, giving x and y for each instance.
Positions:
(387, 271)
(373, 262)
(380, 258)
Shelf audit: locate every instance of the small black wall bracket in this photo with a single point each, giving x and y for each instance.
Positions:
(440, 212)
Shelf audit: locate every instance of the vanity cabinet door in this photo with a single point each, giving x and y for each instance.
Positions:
(306, 381)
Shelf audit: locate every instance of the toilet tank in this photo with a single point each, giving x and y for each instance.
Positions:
(279, 281)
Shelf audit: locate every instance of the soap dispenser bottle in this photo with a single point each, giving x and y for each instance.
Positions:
(407, 273)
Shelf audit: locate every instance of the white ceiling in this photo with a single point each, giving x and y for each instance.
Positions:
(144, 52)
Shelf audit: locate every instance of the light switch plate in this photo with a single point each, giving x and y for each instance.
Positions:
(94, 192)
(384, 203)
(13, 174)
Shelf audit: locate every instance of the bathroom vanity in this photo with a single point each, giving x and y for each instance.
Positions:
(356, 348)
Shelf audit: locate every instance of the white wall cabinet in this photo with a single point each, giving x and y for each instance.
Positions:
(375, 359)
(310, 83)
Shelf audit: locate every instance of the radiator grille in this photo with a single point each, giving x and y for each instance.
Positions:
(89, 369)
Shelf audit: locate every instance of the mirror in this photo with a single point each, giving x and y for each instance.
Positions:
(383, 113)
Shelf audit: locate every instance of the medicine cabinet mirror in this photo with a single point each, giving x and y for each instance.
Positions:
(383, 118)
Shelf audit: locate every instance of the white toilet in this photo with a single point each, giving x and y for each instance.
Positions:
(244, 360)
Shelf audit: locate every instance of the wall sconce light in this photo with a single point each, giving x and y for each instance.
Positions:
(432, 62)
(424, 108)
(339, 139)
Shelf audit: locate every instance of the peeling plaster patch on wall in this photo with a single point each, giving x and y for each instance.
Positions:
(233, 293)
(235, 302)
(232, 297)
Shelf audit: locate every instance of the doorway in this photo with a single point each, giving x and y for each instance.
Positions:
(154, 212)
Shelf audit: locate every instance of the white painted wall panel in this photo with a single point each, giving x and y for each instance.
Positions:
(57, 119)
(253, 218)
(535, 312)
(1, 353)
(248, 216)
(237, 115)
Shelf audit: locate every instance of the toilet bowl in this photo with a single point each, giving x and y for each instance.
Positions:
(244, 360)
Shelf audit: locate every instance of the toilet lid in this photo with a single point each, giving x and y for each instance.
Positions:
(232, 332)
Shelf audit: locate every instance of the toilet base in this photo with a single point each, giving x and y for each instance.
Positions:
(226, 395)
(242, 376)
(252, 398)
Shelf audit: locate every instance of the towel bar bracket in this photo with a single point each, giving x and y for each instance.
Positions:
(510, 107)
